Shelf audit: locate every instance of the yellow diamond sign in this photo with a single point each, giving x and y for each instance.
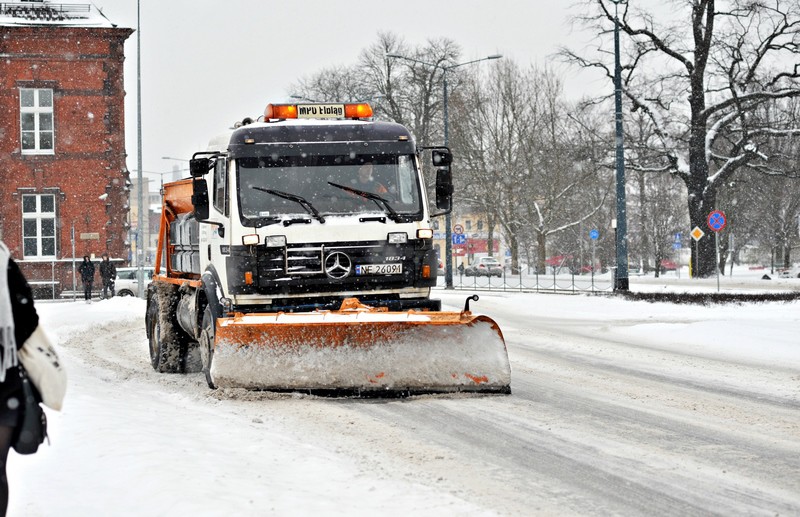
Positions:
(697, 233)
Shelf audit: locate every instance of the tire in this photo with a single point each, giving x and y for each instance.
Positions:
(207, 345)
(167, 349)
(125, 292)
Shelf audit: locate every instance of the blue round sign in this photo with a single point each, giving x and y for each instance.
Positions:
(594, 235)
(716, 220)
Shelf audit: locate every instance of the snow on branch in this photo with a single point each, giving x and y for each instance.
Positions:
(713, 132)
(750, 97)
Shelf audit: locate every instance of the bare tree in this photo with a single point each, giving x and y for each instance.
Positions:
(704, 84)
(402, 91)
(522, 154)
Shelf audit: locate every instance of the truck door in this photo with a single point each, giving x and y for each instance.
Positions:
(215, 237)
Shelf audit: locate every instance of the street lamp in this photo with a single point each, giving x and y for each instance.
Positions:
(174, 170)
(302, 98)
(140, 196)
(448, 244)
(621, 240)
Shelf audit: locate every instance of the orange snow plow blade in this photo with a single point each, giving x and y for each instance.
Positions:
(361, 349)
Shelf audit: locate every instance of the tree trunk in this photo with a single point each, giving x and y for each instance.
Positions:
(513, 242)
(541, 240)
(723, 252)
(700, 205)
(643, 220)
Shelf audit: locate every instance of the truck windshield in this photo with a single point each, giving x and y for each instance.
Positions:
(318, 179)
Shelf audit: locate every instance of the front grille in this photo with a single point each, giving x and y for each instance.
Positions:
(304, 261)
(301, 268)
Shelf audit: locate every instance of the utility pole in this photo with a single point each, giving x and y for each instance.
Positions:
(621, 240)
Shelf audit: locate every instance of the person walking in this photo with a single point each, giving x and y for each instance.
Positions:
(86, 269)
(18, 320)
(108, 273)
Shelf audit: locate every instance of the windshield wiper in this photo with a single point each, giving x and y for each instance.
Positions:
(297, 199)
(266, 221)
(394, 216)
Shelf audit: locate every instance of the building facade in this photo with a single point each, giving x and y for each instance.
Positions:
(64, 184)
(470, 239)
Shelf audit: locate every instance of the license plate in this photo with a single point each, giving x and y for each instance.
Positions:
(379, 269)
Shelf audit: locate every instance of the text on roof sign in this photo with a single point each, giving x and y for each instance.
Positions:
(320, 110)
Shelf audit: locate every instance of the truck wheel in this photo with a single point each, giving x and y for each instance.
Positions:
(207, 345)
(165, 344)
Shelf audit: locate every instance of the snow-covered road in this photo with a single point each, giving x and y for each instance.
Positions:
(618, 407)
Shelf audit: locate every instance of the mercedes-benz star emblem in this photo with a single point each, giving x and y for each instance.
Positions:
(338, 265)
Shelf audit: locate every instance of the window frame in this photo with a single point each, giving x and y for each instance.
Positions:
(38, 216)
(37, 111)
(220, 186)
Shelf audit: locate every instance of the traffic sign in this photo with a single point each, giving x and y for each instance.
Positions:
(716, 220)
(594, 235)
(458, 229)
(697, 233)
(459, 238)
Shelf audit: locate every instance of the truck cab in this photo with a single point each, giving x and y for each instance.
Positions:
(316, 204)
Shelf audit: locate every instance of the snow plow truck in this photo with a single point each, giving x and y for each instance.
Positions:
(298, 256)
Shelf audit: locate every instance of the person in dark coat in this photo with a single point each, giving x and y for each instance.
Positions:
(108, 272)
(86, 269)
(18, 320)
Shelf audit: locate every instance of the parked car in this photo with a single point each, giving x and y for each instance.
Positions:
(484, 266)
(792, 272)
(126, 284)
(668, 265)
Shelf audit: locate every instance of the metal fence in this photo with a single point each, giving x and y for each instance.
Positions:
(524, 282)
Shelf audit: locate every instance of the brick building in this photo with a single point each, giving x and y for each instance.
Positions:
(62, 138)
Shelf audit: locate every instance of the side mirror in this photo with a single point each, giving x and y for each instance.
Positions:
(198, 167)
(200, 197)
(444, 189)
(441, 157)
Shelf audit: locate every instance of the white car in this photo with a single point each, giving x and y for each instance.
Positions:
(792, 272)
(126, 284)
(485, 266)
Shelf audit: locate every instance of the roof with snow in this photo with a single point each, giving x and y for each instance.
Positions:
(38, 13)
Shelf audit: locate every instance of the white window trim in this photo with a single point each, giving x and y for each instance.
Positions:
(37, 111)
(39, 216)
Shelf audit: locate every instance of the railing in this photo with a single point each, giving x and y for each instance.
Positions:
(534, 282)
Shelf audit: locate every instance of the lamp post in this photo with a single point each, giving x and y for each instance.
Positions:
(302, 98)
(175, 169)
(621, 240)
(140, 197)
(448, 244)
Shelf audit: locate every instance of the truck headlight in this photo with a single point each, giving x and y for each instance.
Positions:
(398, 238)
(251, 239)
(275, 241)
(425, 233)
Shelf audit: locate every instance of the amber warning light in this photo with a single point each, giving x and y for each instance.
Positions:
(317, 111)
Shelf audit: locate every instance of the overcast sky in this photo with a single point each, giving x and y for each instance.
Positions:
(206, 64)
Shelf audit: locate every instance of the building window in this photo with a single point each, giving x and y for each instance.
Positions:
(435, 225)
(480, 225)
(38, 225)
(468, 225)
(36, 120)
